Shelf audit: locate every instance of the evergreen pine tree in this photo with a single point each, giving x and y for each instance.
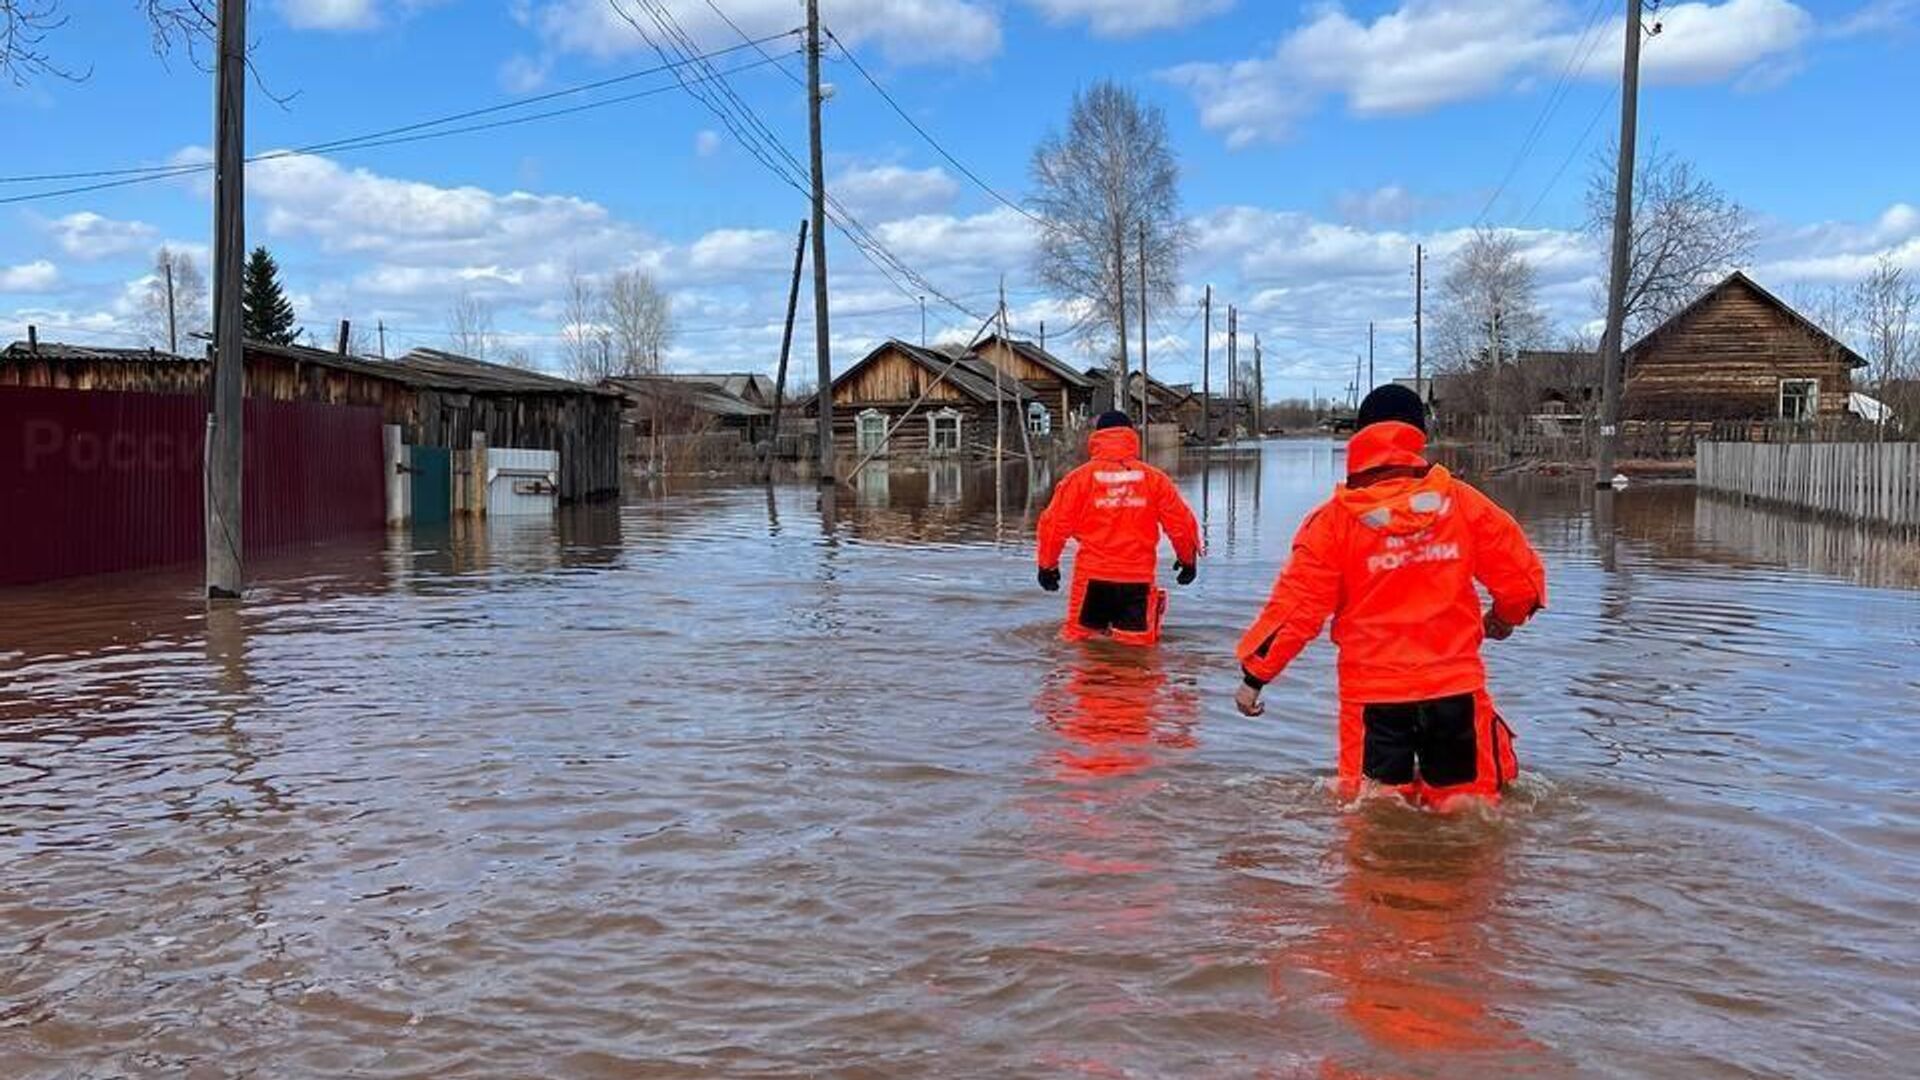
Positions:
(265, 313)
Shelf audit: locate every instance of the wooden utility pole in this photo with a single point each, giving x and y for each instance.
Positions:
(223, 447)
(173, 329)
(1372, 380)
(1206, 369)
(1233, 377)
(1259, 388)
(1146, 383)
(1419, 298)
(786, 343)
(1610, 343)
(822, 355)
(1120, 394)
(1026, 425)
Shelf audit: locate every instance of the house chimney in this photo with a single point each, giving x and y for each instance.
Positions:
(33, 340)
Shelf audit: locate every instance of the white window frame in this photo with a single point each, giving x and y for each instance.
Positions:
(1039, 418)
(863, 424)
(1812, 396)
(933, 432)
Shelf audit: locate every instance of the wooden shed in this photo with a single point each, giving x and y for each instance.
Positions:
(1739, 353)
(1066, 392)
(955, 418)
(436, 398)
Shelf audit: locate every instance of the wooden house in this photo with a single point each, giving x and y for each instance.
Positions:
(1739, 353)
(1066, 393)
(685, 404)
(957, 393)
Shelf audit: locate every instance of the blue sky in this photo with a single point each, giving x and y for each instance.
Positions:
(1319, 143)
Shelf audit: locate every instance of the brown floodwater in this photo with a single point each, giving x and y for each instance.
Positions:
(730, 782)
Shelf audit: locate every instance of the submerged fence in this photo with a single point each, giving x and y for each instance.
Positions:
(1858, 481)
(96, 481)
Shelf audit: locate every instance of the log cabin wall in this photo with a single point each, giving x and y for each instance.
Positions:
(1725, 359)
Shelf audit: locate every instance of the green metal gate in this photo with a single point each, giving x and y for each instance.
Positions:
(431, 469)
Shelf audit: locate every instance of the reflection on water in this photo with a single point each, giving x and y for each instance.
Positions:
(769, 780)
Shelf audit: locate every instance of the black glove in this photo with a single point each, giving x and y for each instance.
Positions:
(1186, 572)
(1050, 578)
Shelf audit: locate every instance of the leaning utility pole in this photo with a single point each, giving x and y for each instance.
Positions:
(786, 343)
(1206, 370)
(822, 356)
(223, 447)
(1146, 384)
(173, 329)
(1419, 297)
(1610, 343)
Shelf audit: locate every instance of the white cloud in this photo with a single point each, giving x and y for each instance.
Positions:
(330, 14)
(37, 276)
(733, 251)
(345, 14)
(1116, 18)
(891, 191)
(1390, 205)
(707, 143)
(1430, 53)
(522, 74)
(998, 241)
(87, 235)
(906, 31)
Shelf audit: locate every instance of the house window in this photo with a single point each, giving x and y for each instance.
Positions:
(1799, 399)
(943, 436)
(873, 432)
(1039, 420)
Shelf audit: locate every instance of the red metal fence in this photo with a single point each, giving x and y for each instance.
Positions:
(95, 481)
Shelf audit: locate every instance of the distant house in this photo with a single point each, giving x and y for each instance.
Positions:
(1066, 394)
(751, 387)
(957, 392)
(1164, 401)
(694, 404)
(1739, 353)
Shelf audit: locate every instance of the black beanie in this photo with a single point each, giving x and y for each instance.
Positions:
(1393, 402)
(1112, 418)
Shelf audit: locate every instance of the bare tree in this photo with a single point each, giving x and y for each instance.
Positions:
(586, 341)
(1487, 311)
(1687, 235)
(25, 26)
(470, 327)
(1097, 184)
(519, 357)
(1886, 309)
(639, 316)
(170, 316)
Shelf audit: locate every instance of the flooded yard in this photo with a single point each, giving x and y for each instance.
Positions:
(733, 782)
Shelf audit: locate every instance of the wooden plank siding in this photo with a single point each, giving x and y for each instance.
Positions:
(1725, 356)
(889, 379)
(1062, 400)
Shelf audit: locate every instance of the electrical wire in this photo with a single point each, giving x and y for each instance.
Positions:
(1576, 60)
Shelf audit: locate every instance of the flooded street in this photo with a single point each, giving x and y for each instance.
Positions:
(730, 783)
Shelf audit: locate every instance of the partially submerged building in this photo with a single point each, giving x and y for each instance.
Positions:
(903, 400)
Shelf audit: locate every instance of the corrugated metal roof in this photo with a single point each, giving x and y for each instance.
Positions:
(53, 350)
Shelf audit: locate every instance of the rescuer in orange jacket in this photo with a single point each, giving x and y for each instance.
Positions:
(1392, 558)
(1116, 506)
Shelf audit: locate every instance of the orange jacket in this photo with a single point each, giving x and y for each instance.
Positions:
(1393, 562)
(1116, 505)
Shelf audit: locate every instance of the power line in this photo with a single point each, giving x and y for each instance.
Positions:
(162, 171)
(1576, 59)
(728, 19)
(924, 134)
(1579, 145)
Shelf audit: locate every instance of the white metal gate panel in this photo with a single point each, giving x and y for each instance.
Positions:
(522, 482)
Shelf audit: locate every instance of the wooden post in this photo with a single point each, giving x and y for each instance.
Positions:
(1146, 382)
(382, 325)
(823, 359)
(1419, 298)
(1120, 392)
(346, 334)
(1372, 380)
(1020, 415)
(1206, 370)
(1611, 343)
(173, 326)
(786, 343)
(1259, 389)
(33, 340)
(224, 542)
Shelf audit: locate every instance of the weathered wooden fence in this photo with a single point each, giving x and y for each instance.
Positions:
(1856, 481)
